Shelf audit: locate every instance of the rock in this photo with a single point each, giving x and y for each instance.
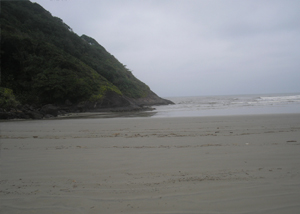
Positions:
(24, 116)
(34, 115)
(4, 115)
(28, 107)
(111, 101)
(150, 100)
(12, 114)
(49, 109)
(48, 116)
(62, 112)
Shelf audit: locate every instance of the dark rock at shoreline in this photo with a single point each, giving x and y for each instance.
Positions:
(5, 116)
(49, 110)
(34, 115)
(112, 102)
(151, 100)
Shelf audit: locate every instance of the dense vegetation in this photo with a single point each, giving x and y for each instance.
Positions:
(44, 61)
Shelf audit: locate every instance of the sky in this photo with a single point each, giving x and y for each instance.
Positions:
(195, 47)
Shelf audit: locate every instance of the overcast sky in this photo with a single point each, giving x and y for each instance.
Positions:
(195, 47)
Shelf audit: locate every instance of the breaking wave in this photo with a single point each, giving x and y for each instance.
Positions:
(231, 105)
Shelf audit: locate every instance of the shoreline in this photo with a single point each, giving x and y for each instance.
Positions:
(219, 164)
(137, 115)
(198, 106)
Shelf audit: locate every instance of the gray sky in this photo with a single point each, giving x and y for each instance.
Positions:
(195, 47)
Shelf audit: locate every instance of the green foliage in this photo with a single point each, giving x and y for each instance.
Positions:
(114, 71)
(7, 98)
(102, 91)
(44, 61)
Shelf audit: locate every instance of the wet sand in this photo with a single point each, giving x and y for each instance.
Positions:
(230, 164)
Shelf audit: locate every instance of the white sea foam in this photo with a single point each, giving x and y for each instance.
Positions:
(231, 105)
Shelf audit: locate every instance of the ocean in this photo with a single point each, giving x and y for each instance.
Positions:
(230, 105)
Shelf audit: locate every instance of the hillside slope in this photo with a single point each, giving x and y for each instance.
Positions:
(44, 62)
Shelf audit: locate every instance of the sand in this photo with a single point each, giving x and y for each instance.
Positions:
(229, 164)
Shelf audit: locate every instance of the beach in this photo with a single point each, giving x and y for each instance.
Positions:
(216, 164)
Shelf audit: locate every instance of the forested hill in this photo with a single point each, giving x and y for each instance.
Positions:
(44, 62)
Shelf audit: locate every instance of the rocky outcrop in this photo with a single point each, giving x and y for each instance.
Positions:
(49, 110)
(151, 100)
(111, 102)
(29, 112)
(115, 102)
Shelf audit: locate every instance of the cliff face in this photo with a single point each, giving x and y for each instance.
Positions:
(44, 62)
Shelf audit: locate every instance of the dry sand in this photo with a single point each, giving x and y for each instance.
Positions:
(233, 164)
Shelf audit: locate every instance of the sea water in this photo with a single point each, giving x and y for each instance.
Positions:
(230, 105)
